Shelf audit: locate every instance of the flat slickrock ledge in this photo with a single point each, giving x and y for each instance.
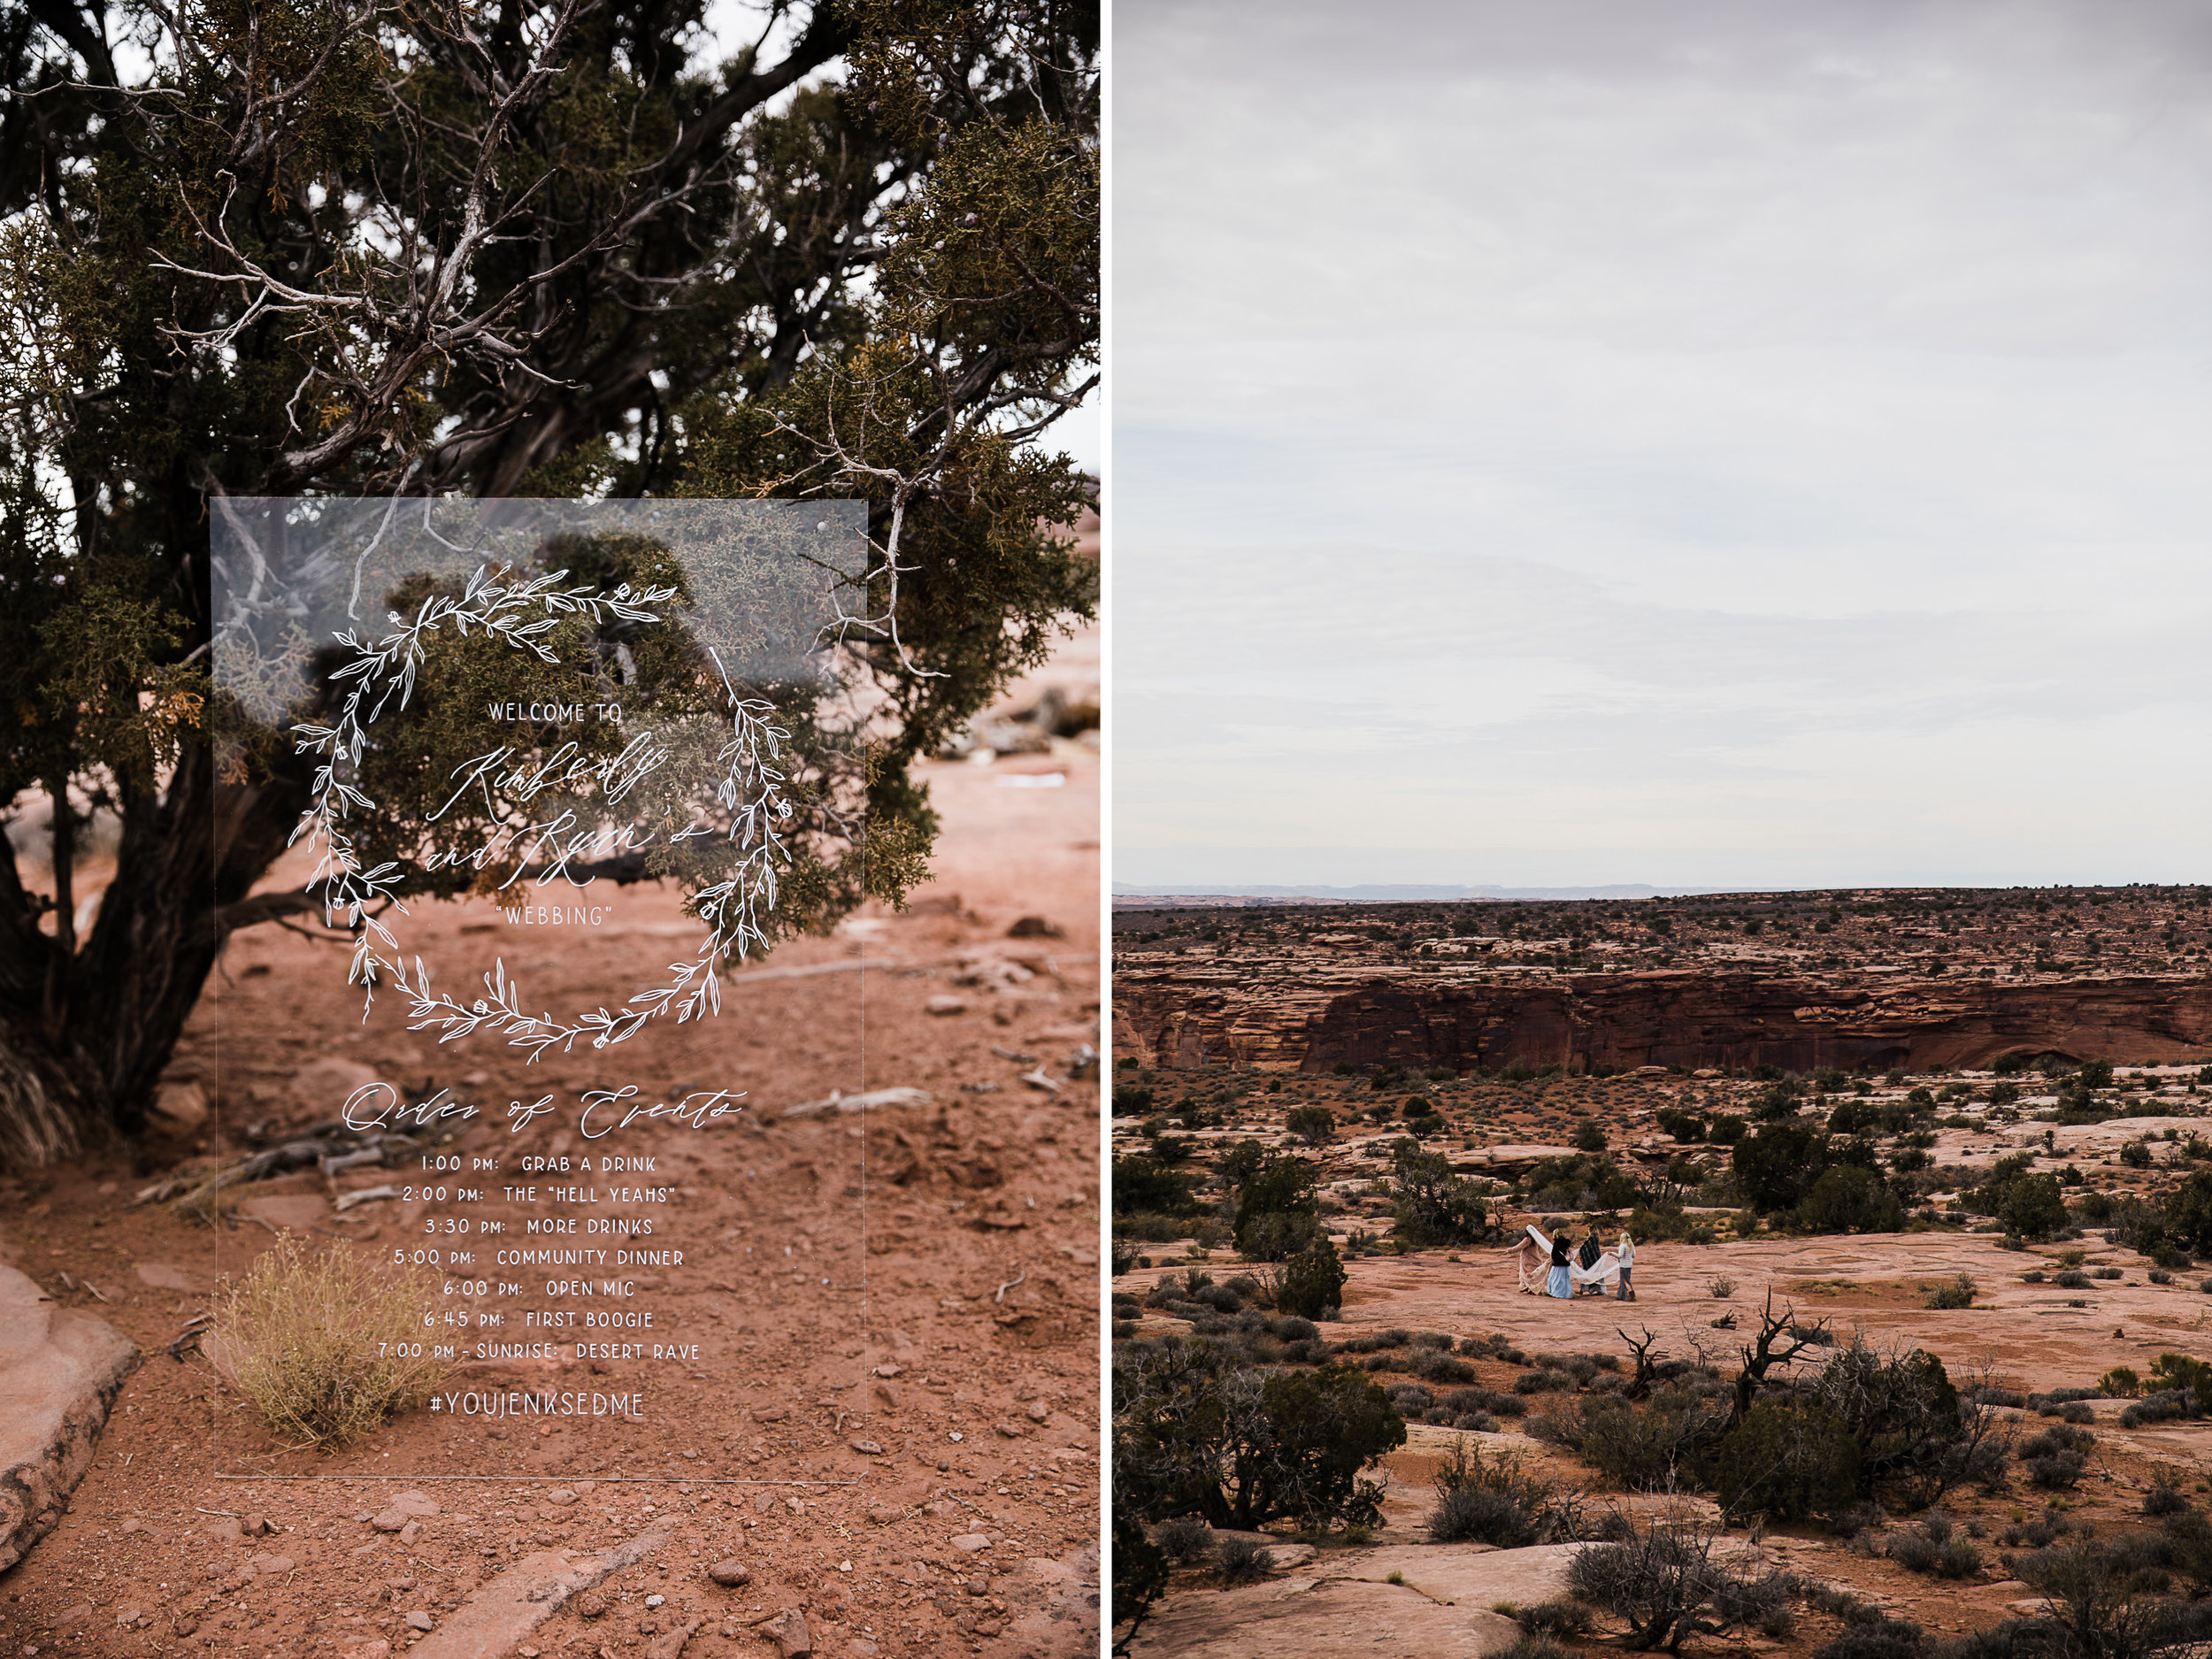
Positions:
(1347, 1606)
(60, 1371)
(499, 1614)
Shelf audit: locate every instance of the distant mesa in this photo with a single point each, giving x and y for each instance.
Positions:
(1855, 980)
(1682, 1018)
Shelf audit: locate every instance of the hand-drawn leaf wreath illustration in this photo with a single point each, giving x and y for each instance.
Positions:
(520, 613)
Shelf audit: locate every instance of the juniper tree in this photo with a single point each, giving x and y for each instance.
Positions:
(354, 248)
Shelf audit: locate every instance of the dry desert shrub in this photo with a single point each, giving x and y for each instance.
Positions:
(325, 1347)
(1186, 1538)
(1494, 1502)
(1669, 1584)
(1527, 1646)
(1241, 1560)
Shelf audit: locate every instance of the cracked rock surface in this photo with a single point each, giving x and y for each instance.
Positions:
(59, 1371)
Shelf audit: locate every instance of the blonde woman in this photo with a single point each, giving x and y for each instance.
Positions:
(1624, 1253)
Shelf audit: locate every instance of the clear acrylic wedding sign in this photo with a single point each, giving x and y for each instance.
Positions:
(551, 780)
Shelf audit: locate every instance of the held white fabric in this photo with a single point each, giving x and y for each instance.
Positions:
(1605, 1267)
(1532, 1256)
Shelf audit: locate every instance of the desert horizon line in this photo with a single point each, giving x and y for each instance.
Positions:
(1447, 892)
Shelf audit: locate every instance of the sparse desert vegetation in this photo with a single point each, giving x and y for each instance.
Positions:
(325, 1346)
(1998, 934)
(1919, 1366)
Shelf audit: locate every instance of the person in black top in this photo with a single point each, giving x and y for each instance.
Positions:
(1560, 1282)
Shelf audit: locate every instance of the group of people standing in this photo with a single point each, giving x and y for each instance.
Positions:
(1556, 1267)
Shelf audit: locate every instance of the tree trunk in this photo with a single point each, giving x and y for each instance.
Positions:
(85, 1034)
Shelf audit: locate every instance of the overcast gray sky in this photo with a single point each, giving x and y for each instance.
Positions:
(1714, 444)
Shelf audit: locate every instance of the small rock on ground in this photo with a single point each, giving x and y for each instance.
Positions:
(788, 1630)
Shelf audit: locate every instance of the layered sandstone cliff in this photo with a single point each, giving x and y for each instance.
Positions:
(1184, 1013)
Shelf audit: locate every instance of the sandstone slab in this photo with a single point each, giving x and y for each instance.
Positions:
(1320, 1618)
(1052, 1605)
(292, 1212)
(1463, 1575)
(1344, 1604)
(499, 1614)
(60, 1371)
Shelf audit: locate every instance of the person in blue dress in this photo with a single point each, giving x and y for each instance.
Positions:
(1561, 1282)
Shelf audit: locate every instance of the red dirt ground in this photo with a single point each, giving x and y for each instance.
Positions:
(851, 1328)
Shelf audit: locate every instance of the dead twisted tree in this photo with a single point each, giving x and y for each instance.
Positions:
(1779, 1340)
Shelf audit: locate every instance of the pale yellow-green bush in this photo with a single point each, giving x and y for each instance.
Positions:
(325, 1347)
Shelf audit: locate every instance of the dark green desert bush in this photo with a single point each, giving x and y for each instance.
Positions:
(1433, 1207)
(1932, 1547)
(1952, 1293)
(1664, 1443)
(2055, 1458)
(1848, 1199)
(1200, 1430)
(1793, 1461)
(1880, 1637)
(1312, 1283)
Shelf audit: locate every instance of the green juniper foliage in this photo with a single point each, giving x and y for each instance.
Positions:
(1198, 1431)
(352, 247)
(466, 747)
